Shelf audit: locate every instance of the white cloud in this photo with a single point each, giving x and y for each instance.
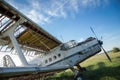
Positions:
(35, 4)
(56, 9)
(93, 3)
(43, 11)
(36, 16)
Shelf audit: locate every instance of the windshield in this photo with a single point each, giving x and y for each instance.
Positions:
(69, 45)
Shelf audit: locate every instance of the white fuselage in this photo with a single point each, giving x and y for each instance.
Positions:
(69, 57)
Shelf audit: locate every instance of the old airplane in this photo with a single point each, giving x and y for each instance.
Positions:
(19, 33)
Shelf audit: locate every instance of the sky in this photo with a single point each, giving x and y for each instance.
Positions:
(72, 19)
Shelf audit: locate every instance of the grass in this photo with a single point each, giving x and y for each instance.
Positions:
(98, 68)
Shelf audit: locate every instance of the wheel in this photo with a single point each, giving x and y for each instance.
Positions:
(78, 78)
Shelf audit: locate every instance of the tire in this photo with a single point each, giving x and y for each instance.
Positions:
(78, 78)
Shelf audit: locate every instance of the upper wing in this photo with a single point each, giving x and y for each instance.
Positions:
(28, 33)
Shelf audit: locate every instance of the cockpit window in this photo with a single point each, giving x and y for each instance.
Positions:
(69, 45)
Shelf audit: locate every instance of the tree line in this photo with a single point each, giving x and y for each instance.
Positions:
(115, 49)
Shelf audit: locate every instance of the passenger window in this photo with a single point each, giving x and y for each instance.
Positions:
(55, 57)
(50, 59)
(46, 61)
(59, 55)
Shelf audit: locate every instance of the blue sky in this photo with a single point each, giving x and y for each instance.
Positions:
(71, 19)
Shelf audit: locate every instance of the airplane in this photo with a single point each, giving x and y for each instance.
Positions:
(21, 35)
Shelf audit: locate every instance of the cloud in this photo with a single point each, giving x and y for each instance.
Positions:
(93, 3)
(37, 17)
(42, 11)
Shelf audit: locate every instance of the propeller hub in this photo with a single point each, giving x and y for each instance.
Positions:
(100, 42)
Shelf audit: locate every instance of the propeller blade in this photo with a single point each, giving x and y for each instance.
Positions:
(101, 45)
(93, 32)
(106, 54)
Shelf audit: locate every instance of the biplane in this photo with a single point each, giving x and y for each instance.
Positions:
(20, 34)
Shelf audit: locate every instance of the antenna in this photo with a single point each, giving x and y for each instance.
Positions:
(62, 38)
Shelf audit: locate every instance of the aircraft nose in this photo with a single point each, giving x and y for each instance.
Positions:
(100, 42)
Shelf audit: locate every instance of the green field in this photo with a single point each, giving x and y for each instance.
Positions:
(98, 68)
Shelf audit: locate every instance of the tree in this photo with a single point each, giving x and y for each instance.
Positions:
(115, 49)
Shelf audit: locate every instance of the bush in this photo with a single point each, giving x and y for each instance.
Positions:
(115, 49)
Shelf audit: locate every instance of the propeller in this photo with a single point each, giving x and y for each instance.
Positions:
(101, 45)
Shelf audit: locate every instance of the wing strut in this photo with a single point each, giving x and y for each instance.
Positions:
(10, 33)
(19, 51)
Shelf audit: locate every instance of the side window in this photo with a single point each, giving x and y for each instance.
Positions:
(55, 57)
(50, 59)
(46, 61)
(59, 55)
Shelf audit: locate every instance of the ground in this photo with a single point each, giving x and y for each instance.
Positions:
(98, 68)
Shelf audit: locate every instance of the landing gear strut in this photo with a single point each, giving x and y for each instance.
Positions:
(78, 72)
(81, 69)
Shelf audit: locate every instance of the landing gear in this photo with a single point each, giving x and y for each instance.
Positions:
(81, 69)
(78, 72)
(79, 76)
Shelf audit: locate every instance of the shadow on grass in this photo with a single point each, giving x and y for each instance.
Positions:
(62, 76)
(102, 72)
(118, 57)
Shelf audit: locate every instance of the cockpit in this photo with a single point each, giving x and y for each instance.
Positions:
(68, 45)
(73, 43)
